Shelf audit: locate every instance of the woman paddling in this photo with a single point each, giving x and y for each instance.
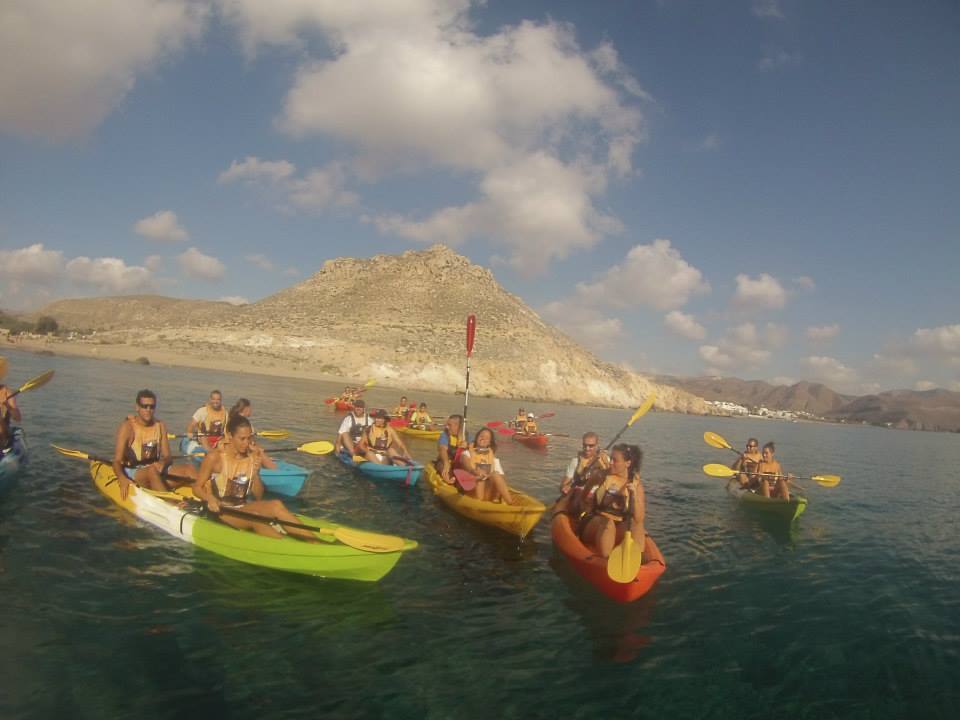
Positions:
(773, 482)
(481, 460)
(617, 504)
(230, 478)
(245, 408)
(747, 465)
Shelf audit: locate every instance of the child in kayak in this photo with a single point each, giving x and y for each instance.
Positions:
(617, 504)
(481, 460)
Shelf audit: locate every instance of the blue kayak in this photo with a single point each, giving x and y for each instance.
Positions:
(285, 479)
(407, 474)
(13, 459)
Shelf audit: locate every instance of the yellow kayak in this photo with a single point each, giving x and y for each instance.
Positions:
(423, 434)
(516, 519)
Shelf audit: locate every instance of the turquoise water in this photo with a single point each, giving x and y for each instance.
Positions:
(852, 613)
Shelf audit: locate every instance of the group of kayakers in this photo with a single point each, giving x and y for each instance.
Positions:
(369, 437)
(525, 423)
(760, 472)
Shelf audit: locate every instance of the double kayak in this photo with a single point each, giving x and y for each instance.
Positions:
(419, 433)
(407, 474)
(789, 510)
(13, 459)
(285, 479)
(593, 568)
(327, 557)
(516, 519)
(539, 440)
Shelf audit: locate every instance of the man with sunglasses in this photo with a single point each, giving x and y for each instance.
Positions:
(747, 465)
(591, 460)
(142, 453)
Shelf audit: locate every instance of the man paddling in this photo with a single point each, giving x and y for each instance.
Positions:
(591, 463)
(9, 412)
(209, 421)
(142, 453)
(352, 427)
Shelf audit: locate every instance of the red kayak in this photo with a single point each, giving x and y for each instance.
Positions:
(535, 441)
(593, 568)
(341, 405)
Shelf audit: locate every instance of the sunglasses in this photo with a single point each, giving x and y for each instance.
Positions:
(751, 446)
(148, 406)
(589, 445)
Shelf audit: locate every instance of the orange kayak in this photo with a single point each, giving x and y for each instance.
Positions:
(535, 441)
(341, 405)
(593, 568)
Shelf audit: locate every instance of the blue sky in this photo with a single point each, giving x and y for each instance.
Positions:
(763, 188)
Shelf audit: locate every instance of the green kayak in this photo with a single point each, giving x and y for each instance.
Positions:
(790, 509)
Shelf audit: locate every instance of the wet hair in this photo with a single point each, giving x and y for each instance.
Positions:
(149, 394)
(771, 446)
(632, 454)
(381, 415)
(239, 406)
(403, 397)
(235, 422)
(493, 438)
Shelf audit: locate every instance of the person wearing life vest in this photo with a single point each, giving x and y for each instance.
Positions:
(401, 409)
(352, 427)
(141, 453)
(230, 478)
(616, 504)
(244, 407)
(481, 460)
(773, 482)
(208, 422)
(519, 421)
(529, 426)
(380, 442)
(747, 465)
(449, 447)
(9, 412)
(420, 419)
(588, 468)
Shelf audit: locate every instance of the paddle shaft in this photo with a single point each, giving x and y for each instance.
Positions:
(471, 336)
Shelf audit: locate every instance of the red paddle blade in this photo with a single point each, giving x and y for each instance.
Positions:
(398, 422)
(494, 423)
(465, 480)
(471, 333)
(329, 401)
(547, 415)
(507, 431)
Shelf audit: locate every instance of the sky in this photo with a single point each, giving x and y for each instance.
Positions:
(765, 189)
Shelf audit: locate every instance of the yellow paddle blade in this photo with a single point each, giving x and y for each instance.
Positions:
(719, 471)
(714, 440)
(369, 541)
(273, 434)
(319, 447)
(36, 382)
(78, 454)
(625, 560)
(827, 480)
(643, 409)
(370, 383)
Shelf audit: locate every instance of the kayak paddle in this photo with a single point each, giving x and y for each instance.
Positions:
(266, 434)
(714, 440)
(471, 337)
(317, 447)
(466, 480)
(38, 381)
(722, 471)
(625, 560)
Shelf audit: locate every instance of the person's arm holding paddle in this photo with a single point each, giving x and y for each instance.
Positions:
(10, 405)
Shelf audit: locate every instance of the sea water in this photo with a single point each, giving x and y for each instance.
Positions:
(851, 612)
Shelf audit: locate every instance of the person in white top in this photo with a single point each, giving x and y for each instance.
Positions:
(208, 422)
(352, 427)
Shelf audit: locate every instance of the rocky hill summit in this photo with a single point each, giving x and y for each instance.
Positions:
(399, 318)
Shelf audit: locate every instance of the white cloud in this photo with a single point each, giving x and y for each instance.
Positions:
(655, 275)
(767, 9)
(898, 365)
(202, 267)
(254, 170)
(718, 362)
(261, 261)
(823, 333)
(153, 263)
(805, 282)
(775, 59)
(830, 370)
(321, 188)
(67, 65)
(922, 385)
(684, 325)
(538, 124)
(31, 264)
(942, 340)
(585, 325)
(235, 300)
(764, 293)
(109, 275)
(162, 226)
(745, 347)
(710, 142)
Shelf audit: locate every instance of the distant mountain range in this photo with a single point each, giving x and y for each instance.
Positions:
(902, 409)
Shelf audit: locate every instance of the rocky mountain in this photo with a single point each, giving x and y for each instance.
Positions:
(399, 318)
(803, 396)
(905, 409)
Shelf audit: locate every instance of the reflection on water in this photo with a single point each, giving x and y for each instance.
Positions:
(851, 611)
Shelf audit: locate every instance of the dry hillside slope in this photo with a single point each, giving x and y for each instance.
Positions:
(400, 318)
